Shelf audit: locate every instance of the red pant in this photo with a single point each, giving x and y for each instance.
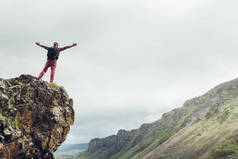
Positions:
(52, 65)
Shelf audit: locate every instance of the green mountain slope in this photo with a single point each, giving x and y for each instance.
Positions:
(206, 127)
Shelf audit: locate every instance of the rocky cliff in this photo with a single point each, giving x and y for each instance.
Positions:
(34, 118)
(206, 127)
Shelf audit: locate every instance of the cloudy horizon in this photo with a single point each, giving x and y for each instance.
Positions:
(135, 60)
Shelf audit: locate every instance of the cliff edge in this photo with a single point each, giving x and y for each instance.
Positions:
(35, 118)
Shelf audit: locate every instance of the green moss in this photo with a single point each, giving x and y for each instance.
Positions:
(11, 102)
(54, 85)
(11, 121)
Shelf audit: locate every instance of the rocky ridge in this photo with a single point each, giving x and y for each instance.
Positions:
(34, 118)
(204, 128)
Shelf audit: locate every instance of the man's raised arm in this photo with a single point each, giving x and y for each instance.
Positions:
(45, 47)
(67, 47)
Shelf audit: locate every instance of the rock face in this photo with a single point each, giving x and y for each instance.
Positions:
(34, 118)
(103, 148)
(206, 127)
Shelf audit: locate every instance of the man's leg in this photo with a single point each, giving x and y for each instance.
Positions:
(44, 69)
(53, 67)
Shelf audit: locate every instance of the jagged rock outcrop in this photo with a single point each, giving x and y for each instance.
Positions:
(103, 148)
(34, 118)
(206, 127)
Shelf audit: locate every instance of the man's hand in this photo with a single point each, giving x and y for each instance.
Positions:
(67, 47)
(45, 47)
(74, 44)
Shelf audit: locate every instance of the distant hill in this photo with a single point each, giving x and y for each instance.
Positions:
(70, 151)
(67, 147)
(206, 127)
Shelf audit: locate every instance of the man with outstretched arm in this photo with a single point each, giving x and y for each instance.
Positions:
(52, 57)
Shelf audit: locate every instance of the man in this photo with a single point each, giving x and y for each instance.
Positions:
(52, 57)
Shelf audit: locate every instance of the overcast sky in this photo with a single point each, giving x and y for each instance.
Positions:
(135, 59)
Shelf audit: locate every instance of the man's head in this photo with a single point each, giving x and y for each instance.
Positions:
(56, 44)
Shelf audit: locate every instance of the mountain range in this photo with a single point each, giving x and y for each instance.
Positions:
(205, 127)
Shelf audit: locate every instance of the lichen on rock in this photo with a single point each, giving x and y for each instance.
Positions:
(34, 118)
